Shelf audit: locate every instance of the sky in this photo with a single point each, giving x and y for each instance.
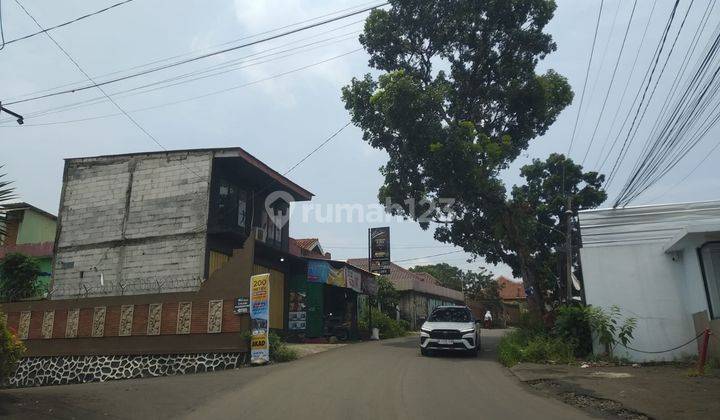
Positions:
(280, 104)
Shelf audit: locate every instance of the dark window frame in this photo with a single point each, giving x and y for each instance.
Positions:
(711, 310)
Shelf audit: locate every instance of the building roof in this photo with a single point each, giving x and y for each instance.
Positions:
(220, 152)
(665, 224)
(404, 280)
(309, 243)
(25, 206)
(510, 290)
(427, 277)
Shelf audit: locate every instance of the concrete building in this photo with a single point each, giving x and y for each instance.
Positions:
(30, 231)
(659, 264)
(420, 293)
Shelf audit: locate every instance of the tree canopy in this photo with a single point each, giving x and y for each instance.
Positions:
(458, 99)
(18, 277)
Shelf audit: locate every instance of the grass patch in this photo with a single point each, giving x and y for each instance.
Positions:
(534, 347)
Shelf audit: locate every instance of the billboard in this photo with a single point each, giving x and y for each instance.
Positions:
(379, 250)
(260, 318)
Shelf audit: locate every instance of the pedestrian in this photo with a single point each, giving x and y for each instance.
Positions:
(488, 319)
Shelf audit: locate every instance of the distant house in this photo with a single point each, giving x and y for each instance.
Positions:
(420, 293)
(513, 298)
(308, 247)
(659, 264)
(30, 231)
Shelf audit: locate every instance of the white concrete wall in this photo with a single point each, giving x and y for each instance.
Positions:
(625, 263)
(139, 220)
(648, 285)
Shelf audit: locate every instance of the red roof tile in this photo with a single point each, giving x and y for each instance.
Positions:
(510, 290)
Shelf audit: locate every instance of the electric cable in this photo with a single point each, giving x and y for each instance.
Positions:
(196, 58)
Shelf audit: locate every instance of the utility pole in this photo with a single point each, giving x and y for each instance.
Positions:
(568, 249)
(20, 119)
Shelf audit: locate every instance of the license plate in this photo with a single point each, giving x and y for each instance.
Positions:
(445, 342)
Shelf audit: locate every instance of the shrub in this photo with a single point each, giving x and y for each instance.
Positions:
(11, 350)
(572, 325)
(18, 277)
(389, 328)
(519, 346)
(607, 328)
(279, 350)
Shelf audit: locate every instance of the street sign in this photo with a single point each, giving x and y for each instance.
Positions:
(242, 306)
(379, 250)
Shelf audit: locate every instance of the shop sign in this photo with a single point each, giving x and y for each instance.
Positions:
(318, 271)
(297, 311)
(369, 286)
(336, 277)
(260, 318)
(242, 305)
(353, 279)
(379, 250)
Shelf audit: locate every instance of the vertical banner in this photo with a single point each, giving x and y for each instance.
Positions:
(379, 250)
(260, 318)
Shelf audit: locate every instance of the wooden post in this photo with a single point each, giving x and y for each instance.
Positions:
(703, 350)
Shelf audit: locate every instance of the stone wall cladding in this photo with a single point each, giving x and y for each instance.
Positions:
(139, 221)
(60, 370)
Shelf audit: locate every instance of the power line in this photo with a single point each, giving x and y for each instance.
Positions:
(320, 146)
(52, 28)
(587, 73)
(200, 57)
(612, 80)
(625, 89)
(427, 256)
(2, 32)
(129, 117)
(206, 49)
(212, 71)
(205, 95)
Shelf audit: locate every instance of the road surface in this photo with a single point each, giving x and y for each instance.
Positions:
(375, 380)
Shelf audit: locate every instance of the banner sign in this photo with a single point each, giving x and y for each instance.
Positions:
(336, 277)
(318, 271)
(353, 278)
(297, 314)
(260, 318)
(379, 244)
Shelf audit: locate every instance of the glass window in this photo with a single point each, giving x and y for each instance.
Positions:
(710, 254)
(242, 208)
(450, 315)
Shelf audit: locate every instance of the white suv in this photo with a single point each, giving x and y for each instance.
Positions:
(450, 328)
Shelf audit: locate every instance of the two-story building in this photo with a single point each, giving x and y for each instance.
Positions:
(153, 252)
(30, 231)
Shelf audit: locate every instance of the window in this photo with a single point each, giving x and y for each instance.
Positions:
(450, 315)
(231, 205)
(710, 261)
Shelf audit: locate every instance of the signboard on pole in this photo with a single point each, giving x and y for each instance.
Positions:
(379, 250)
(260, 318)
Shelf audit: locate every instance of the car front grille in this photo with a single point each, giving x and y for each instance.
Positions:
(445, 334)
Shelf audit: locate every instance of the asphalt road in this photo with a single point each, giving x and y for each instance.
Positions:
(376, 380)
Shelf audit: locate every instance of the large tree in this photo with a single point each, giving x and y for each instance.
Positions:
(457, 101)
(448, 275)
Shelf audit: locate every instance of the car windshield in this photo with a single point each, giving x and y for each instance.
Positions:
(450, 315)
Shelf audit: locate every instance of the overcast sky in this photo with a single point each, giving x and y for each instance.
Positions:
(281, 119)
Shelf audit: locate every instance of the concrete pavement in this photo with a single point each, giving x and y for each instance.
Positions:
(374, 380)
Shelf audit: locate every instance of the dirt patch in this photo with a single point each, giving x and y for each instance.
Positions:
(592, 404)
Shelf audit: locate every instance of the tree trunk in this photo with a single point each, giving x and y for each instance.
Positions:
(535, 300)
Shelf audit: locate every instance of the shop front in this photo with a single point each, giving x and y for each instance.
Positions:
(323, 302)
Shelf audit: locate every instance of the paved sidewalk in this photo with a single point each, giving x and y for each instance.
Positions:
(310, 349)
(659, 391)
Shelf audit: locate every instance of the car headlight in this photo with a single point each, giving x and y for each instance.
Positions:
(468, 331)
(425, 330)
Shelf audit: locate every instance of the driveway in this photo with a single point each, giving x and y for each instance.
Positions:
(374, 380)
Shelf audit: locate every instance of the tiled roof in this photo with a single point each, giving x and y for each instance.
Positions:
(509, 289)
(427, 277)
(306, 243)
(404, 279)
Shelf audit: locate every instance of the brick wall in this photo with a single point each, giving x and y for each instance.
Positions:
(231, 323)
(139, 221)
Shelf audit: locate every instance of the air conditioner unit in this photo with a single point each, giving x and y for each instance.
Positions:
(260, 234)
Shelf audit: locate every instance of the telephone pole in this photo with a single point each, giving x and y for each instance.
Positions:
(568, 249)
(20, 119)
